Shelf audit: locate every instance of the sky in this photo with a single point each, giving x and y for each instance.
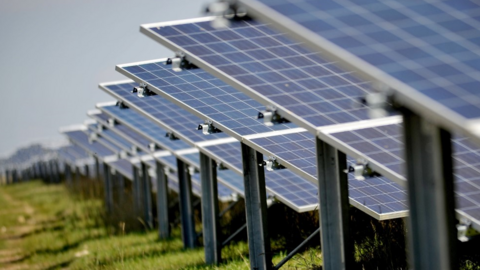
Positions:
(54, 53)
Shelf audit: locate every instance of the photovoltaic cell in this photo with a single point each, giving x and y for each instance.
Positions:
(288, 187)
(203, 95)
(385, 144)
(145, 126)
(377, 194)
(163, 112)
(123, 166)
(80, 138)
(270, 67)
(125, 132)
(428, 51)
(114, 138)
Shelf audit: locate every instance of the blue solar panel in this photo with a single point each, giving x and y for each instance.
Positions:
(66, 155)
(77, 151)
(163, 112)
(426, 50)
(145, 126)
(123, 166)
(385, 144)
(123, 131)
(377, 194)
(271, 68)
(204, 95)
(233, 180)
(115, 139)
(80, 138)
(297, 193)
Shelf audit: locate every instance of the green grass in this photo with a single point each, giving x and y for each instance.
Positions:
(46, 227)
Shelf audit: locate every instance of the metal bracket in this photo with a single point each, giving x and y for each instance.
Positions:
(361, 170)
(100, 128)
(121, 105)
(271, 164)
(221, 166)
(171, 136)
(152, 147)
(179, 62)
(380, 103)
(134, 150)
(111, 122)
(192, 170)
(208, 128)
(142, 90)
(123, 155)
(224, 11)
(93, 137)
(462, 229)
(271, 117)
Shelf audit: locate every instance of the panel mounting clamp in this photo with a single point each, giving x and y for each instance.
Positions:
(380, 102)
(208, 128)
(270, 116)
(142, 90)
(171, 136)
(111, 122)
(225, 11)
(272, 164)
(361, 170)
(462, 230)
(121, 105)
(179, 62)
(92, 137)
(152, 147)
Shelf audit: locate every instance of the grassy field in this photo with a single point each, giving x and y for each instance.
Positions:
(45, 227)
(49, 227)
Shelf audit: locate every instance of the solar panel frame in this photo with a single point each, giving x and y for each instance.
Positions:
(466, 158)
(107, 153)
(253, 94)
(220, 124)
(197, 60)
(113, 140)
(405, 94)
(120, 133)
(104, 87)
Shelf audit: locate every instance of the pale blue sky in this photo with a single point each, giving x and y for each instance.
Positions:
(54, 53)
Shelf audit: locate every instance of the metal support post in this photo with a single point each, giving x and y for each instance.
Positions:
(14, 176)
(186, 206)
(337, 247)
(57, 170)
(137, 207)
(87, 171)
(97, 168)
(7, 176)
(211, 227)
(162, 202)
(77, 177)
(146, 195)
(107, 183)
(256, 209)
(68, 176)
(120, 189)
(432, 232)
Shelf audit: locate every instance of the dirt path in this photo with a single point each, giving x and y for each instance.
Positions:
(11, 253)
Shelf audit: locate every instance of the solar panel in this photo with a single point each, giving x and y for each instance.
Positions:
(80, 138)
(270, 68)
(145, 126)
(283, 184)
(427, 52)
(113, 138)
(160, 111)
(123, 166)
(203, 95)
(125, 132)
(385, 144)
(271, 178)
(379, 196)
